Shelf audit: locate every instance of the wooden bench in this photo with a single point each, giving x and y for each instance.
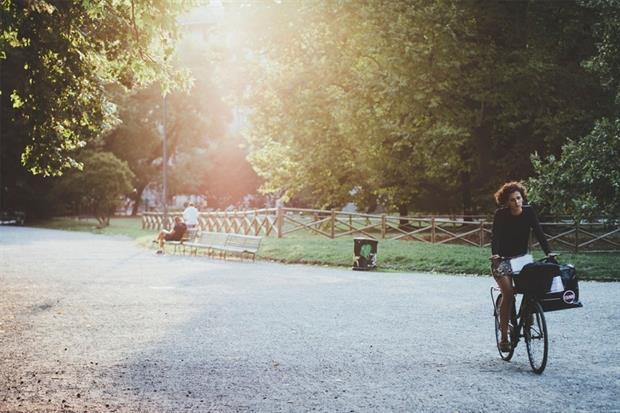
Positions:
(208, 241)
(224, 244)
(242, 245)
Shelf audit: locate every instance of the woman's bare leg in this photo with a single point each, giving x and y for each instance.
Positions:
(161, 239)
(505, 285)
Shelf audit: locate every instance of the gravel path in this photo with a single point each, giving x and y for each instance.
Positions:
(94, 323)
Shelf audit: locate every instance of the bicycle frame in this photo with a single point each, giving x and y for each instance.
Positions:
(517, 317)
(534, 332)
(518, 329)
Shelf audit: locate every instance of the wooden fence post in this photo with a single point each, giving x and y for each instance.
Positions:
(576, 236)
(481, 233)
(433, 230)
(383, 226)
(333, 221)
(279, 221)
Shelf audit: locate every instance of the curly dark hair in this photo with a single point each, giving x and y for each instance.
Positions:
(502, 194)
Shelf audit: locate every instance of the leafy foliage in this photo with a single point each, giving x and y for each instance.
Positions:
(585, 181)
(204, 155)
(99, 188)
(606, 62)
(424, 105)
(58, 57)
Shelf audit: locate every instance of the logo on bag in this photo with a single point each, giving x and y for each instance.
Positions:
(569, 296)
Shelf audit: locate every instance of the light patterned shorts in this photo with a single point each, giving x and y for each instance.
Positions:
(501, 268)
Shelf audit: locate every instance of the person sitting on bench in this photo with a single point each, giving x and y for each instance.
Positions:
(175, 235)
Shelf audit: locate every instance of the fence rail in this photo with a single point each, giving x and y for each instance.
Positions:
(462, 230)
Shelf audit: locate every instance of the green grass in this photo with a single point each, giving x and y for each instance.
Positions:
(129, 227)
(404, 256)
(398, 256)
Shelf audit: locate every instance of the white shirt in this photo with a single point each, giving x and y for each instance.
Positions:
(190, 216)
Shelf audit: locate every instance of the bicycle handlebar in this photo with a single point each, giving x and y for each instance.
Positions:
(551, 255)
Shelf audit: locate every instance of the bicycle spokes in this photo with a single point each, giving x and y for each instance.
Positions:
(535, 332)
(528, 323)
(533, 328)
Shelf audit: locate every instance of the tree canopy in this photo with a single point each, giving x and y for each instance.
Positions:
(57, 58)
(57, 61)
(101, 88)
(99, 188)
(584, 182)
(425, 105)
(204, 156)
(414, 106)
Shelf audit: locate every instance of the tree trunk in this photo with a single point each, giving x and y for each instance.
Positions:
(372, 205)
(466, 198)
(137, 198)
(403, 211)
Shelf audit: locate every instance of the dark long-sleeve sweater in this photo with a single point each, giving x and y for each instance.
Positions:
(511, 233)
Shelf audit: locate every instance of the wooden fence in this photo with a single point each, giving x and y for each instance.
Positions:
(470, 230)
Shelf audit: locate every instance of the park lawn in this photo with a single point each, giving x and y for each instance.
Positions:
(127, 226)
(397, 256)
(408, 256)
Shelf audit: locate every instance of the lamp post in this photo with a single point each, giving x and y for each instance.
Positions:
(165, 166)
(196, 21)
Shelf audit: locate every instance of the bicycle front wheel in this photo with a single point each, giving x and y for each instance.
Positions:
(536, 339)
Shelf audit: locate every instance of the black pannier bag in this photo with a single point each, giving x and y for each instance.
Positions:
(569, 297)
(535, 278)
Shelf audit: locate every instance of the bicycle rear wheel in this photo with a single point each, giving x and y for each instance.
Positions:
(536, 338)
(498, 333)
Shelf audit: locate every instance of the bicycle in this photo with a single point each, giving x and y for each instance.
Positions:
(529, 322)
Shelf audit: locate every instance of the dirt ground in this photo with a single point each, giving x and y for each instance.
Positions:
(98, 324)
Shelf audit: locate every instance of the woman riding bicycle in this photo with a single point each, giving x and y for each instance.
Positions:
(511, 233)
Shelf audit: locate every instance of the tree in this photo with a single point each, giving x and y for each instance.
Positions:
(221, 172)
(341, 93)
(584, 181)
(519, 90)
(400, 101)
(57, 60)
(606, 61)
(197, 126)
(137, 138)
(298, 138)
(99, 188)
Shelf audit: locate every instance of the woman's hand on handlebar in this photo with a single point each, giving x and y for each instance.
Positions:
(494, 257)
(552, 257)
